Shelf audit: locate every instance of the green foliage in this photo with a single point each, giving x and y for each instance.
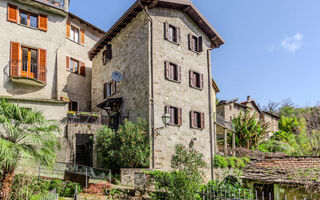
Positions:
(275, 146)
(289, 124)
(231, 162)
(25, 187)
(184, 182)
(249, 132)
(26, 134)
(128, 147)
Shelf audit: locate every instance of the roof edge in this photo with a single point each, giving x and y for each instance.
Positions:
(86, 22)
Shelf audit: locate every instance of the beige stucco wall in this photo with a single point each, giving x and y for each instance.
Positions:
(179, 94)
(273, 123)
(130, 58)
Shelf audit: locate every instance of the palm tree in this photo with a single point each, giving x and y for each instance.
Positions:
(25, 135)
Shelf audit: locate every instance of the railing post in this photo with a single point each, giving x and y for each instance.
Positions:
(233, 143)
(225, 143)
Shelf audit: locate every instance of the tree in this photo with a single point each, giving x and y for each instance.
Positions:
(272, 107)
(26, 136)
(249, 132)
(128, 147)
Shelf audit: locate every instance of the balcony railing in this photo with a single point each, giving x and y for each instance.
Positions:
(220, 120)
(59, 3)
(28, 70)
(84, 118)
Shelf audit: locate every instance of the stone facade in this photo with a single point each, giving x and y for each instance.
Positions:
(132, 57)
(59, 82)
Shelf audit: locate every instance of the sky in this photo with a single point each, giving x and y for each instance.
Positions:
(272, 49)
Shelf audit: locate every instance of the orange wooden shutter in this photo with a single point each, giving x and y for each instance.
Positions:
(12, 13)
(82, 36)
(43, 22)
(67, 63)
(68, 29)
(14, 59)
(42, 68)
(82, 69)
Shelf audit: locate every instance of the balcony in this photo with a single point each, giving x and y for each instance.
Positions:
(27, 72)
(57, 3)
(220, 120)
(85, 118)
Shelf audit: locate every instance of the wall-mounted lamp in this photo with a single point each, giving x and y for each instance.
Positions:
(166, 118)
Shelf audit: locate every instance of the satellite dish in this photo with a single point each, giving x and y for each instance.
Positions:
(117, 76)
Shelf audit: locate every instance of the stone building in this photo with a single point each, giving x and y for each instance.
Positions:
(162, 51)
(45, 63)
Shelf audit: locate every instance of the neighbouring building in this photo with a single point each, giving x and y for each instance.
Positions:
(290, 177)
(162, 51)
(228, 110)
(45, 64)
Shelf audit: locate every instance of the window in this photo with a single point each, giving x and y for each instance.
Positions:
(107, 54)
(196, 80)
(197, 120)
(195, 43)
(175, 115)
(29, 62)
(230, 107)
(74, 34)
(28, 19)
(172, 33)
(74, 65)
(173, 71)
(73, 106)
(109, 89)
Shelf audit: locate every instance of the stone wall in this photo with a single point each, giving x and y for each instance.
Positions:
(128, 174)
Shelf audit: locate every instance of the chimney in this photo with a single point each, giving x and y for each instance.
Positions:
(248, 98)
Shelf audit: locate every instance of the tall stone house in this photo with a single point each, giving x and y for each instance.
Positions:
(162, 51)
(228, 110)
(45, 63)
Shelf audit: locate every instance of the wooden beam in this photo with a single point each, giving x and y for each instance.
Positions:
(153, 3)
(225, 142)
(234, 144)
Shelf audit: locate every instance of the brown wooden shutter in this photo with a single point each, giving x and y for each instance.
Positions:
(201, 81)
(42, 68)
(82, 69)
(192, 119)
(166, 30)
(178, 35)
(167, 109)
(179, 116)
(202, 126)
(114, 87)
(109, 51)
(43, 22)
(12, 13)
(82, 31)
(105, 90)
(191, 78)
(179, 73)
(167, 69)
(68, 29)
(200, 44)
(68, 63)
(14, 59)
(190, 41)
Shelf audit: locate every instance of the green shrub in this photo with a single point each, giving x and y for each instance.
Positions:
(246, 160)
(274, 146)
(220, 162)
(240, 163)
(232, 162)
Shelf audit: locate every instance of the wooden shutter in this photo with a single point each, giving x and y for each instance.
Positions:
(14, 59)
(179, 73)
(105, 90)
(202, 126)
(178, 35)
(167, 69)
(201, 81)
(43, 22)
(191, 78)
(200, 44)
(190, 41)
(114, 87)
(179, 116)
(68, 63)
(82, 31)
(192, 119)
(12, 13)
(109, 51)
(166, 30)
(82, 69)
(68, 29)
(42, 68)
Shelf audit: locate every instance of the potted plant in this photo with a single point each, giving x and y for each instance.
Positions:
(71, 113)
(65, 99)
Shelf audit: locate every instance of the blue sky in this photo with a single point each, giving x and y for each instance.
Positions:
(272, 49)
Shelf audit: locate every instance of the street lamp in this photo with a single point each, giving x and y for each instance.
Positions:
(166, 118)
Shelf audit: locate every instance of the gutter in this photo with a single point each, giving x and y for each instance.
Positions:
(152, 87)
(210, 112)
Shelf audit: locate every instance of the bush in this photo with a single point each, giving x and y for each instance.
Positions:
(128, 147)
(275, 146)
(220, 162)
(232, 162)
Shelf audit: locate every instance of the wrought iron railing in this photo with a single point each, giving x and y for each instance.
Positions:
(26, 69)
(84, 118)
(59, 3)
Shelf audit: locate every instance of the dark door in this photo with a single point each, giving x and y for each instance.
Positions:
(84, 149)
(265, 190)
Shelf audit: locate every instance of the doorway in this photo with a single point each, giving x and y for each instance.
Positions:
(29, 63)
(84, 149)
(264, 190)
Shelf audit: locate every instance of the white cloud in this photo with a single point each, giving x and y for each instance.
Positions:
(292, 43)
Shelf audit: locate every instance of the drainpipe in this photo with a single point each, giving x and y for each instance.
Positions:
(210, 111)
(152, 87)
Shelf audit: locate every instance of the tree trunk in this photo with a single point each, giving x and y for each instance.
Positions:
(6, 184)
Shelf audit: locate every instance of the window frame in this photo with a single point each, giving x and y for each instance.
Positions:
(195, 43)
(72, 61)
(196, 80)
(73, 35)
(175, 36)
(172, 72)
(198, 118)
(29, 14)
(110, 85)
(70, 106)
(107, 54)
(175, 118)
